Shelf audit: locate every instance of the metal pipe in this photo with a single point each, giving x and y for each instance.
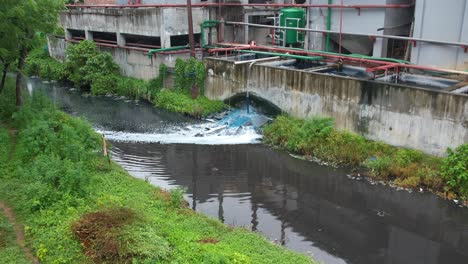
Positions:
(220, 35)
(351, 58)
(151, 52)
(327, 42)
(190, 28)
(341, 27)
(110, 45)
(243, 5)
(452, 43)
(203, 25)
(282, 55)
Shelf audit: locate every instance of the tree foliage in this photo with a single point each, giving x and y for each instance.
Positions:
(21, 22)
(85, 63)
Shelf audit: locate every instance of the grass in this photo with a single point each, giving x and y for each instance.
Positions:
(10, 252)
(181, 102)
(407, 168)
(77, 207)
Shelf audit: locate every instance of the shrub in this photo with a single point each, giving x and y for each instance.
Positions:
(177, 196)
(7, 100)
(52, 179)
(455, 169)
(188, 73)
(85, 63)
(156, 84)
(182, 103)
(380, 166)
(104, 84)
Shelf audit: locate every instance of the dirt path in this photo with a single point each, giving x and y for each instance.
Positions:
(10, 216)
(18, 232)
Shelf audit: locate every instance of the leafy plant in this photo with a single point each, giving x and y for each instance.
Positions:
(455, 169)
(177, 196)
(85, 63)
(189, 73)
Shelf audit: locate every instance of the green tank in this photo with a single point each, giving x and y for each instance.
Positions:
(294, 18)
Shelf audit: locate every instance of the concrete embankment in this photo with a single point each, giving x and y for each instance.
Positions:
(399, 115)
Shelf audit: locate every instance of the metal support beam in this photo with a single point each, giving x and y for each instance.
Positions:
(190, 28)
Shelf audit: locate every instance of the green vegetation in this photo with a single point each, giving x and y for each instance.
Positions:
(23, 25)
(78, 207)
(404, 167)
(96, 72)
(10, 252)
(38, 63)
(180, 102)
(455, 169)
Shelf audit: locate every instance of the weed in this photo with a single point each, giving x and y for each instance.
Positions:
(177, 196)
(455, 169)
(408, 168)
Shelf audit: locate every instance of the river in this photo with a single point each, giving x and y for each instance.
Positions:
(318, 210)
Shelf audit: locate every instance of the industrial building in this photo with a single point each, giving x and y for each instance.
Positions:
(402, 29)
(390, 70)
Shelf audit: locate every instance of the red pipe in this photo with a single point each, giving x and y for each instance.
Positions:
(110, 45)
(383, 64)
(244, 5)
(143, 45)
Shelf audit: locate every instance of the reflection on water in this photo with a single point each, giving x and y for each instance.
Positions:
(306, 207)
(299, 204)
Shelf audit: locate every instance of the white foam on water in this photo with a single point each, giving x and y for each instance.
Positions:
(202, 134)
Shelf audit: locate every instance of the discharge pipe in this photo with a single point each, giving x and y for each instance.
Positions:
(152, 51)
(315, 58)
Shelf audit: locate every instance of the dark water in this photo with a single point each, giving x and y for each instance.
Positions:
(306, 207)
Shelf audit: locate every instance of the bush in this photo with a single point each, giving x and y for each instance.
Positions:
(53, 179)
(188, 73)
(182, 103)
(156, 84)
(104, 84)
(177, 196)
(7, 100)
(455, 169)
(85, 63)
(38, 63)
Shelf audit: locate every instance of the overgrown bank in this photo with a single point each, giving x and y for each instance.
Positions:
(77, 206)
(407, 168)
(95, 72)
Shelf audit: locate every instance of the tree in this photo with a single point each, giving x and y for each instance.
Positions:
(20, 23)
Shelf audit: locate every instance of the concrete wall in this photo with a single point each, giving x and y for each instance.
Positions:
(441, 20)
(132, 63)
(398, 115)
(136, 64)
(57, 47)
(155, 22)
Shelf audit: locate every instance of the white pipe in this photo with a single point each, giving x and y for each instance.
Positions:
(460, 44)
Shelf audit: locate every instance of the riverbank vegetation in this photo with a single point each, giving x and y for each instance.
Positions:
(78, 207)
(95, 72)
(407, 168)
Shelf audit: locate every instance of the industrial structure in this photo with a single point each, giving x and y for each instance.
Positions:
(400, 29)
(391, 70)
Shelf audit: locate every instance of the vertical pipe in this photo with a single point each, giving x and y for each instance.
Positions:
(190, 27)
(341, 25)
(327, 44)
(220, 33)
